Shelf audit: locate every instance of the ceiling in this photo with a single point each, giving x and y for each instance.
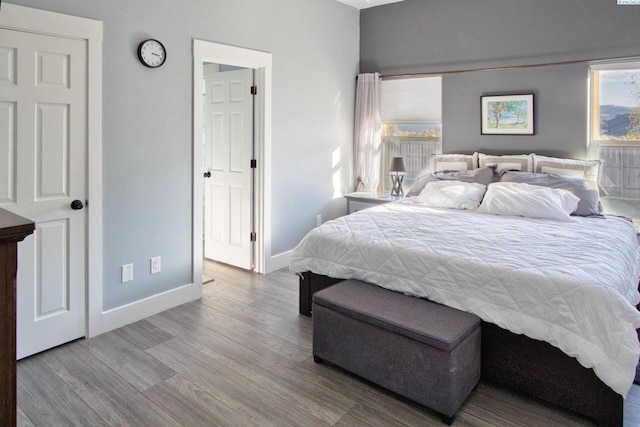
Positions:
(363, 4)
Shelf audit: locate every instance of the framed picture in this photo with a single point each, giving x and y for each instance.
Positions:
(507, 115)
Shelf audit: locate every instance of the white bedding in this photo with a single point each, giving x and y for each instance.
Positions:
(572, 284)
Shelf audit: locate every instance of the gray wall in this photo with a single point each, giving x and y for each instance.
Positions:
(417, 36)
(560, 111)
(147, 141)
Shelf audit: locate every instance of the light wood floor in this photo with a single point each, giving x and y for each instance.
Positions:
(239, 357)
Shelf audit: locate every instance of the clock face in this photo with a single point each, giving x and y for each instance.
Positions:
(152, 53)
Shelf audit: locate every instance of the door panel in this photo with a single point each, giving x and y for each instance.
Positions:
(236, 200)
(52, 151)
(8, 145)
(51, 277)
(52, 69)
(217, 142)
(216, 218)
(228, 121)
(237, 156)
(43, 104)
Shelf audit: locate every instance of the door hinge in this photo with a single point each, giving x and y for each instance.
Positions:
(254, 90)
(254, 164)
(253, 236)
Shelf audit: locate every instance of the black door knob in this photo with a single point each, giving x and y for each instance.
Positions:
(76, 205)
(207, 174)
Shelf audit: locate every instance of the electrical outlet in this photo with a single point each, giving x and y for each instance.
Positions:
(127, 273)
(318, 220)
(156, 265)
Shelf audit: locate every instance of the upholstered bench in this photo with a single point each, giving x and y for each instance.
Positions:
(426, 352)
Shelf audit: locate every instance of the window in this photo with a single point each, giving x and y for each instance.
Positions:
(615, 134)
(411, 114)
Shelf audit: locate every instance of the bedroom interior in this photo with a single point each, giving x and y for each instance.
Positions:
(489, 48)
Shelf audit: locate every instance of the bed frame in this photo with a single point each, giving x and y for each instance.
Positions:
(520, 363)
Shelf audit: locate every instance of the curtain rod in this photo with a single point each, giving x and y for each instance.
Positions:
(506, 67)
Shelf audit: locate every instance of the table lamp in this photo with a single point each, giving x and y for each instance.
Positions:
(396, 171)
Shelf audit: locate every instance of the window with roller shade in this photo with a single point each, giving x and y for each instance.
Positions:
(411, 115)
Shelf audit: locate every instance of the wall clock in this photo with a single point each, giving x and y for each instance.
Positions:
(152, 53)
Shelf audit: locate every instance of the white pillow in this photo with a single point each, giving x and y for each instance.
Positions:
(533, 201)
(454, 162)
(452, 194)
(587, 169)
(514, 162)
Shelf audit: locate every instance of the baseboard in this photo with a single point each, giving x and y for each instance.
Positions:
(279, 261)
(138, 310)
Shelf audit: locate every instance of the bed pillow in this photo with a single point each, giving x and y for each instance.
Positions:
(586, 169)
(452, 194)
(454, 162)
(418, 186)
(533, 201)
(484, 176)
(517, 162)
(584, 189)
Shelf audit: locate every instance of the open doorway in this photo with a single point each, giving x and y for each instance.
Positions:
(227, 61)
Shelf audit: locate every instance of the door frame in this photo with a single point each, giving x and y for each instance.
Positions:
(20, 18)
(261, 62)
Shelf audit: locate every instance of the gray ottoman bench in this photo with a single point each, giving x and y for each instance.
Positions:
(421, 350)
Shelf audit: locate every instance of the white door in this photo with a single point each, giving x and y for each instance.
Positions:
(43, 135)
(228, 135)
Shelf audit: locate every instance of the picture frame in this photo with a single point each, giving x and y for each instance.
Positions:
(507, 114)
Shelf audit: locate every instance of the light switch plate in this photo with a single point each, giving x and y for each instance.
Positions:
(127, 273)
(156, 265)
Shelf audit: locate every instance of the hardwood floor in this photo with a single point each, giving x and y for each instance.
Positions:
(241, 356)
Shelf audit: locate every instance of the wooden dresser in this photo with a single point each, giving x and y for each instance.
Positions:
(13, 229)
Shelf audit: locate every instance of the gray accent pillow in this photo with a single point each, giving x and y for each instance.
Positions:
(586, 190)
(484, 176)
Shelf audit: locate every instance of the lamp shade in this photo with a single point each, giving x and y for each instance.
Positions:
(397, 165)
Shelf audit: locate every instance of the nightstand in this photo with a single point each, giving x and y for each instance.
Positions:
(362, 200)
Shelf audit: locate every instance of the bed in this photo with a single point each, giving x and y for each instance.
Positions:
(557, 295)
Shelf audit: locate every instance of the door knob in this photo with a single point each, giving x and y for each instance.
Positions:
(207, 174)
(76, 205)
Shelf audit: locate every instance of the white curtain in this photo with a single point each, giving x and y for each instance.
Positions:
(367, 132)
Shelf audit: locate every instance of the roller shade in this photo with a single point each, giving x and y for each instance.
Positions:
(412, 100)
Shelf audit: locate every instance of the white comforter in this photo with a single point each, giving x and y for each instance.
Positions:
(572, 284)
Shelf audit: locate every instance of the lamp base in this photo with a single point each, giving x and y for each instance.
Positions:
(396, 185)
